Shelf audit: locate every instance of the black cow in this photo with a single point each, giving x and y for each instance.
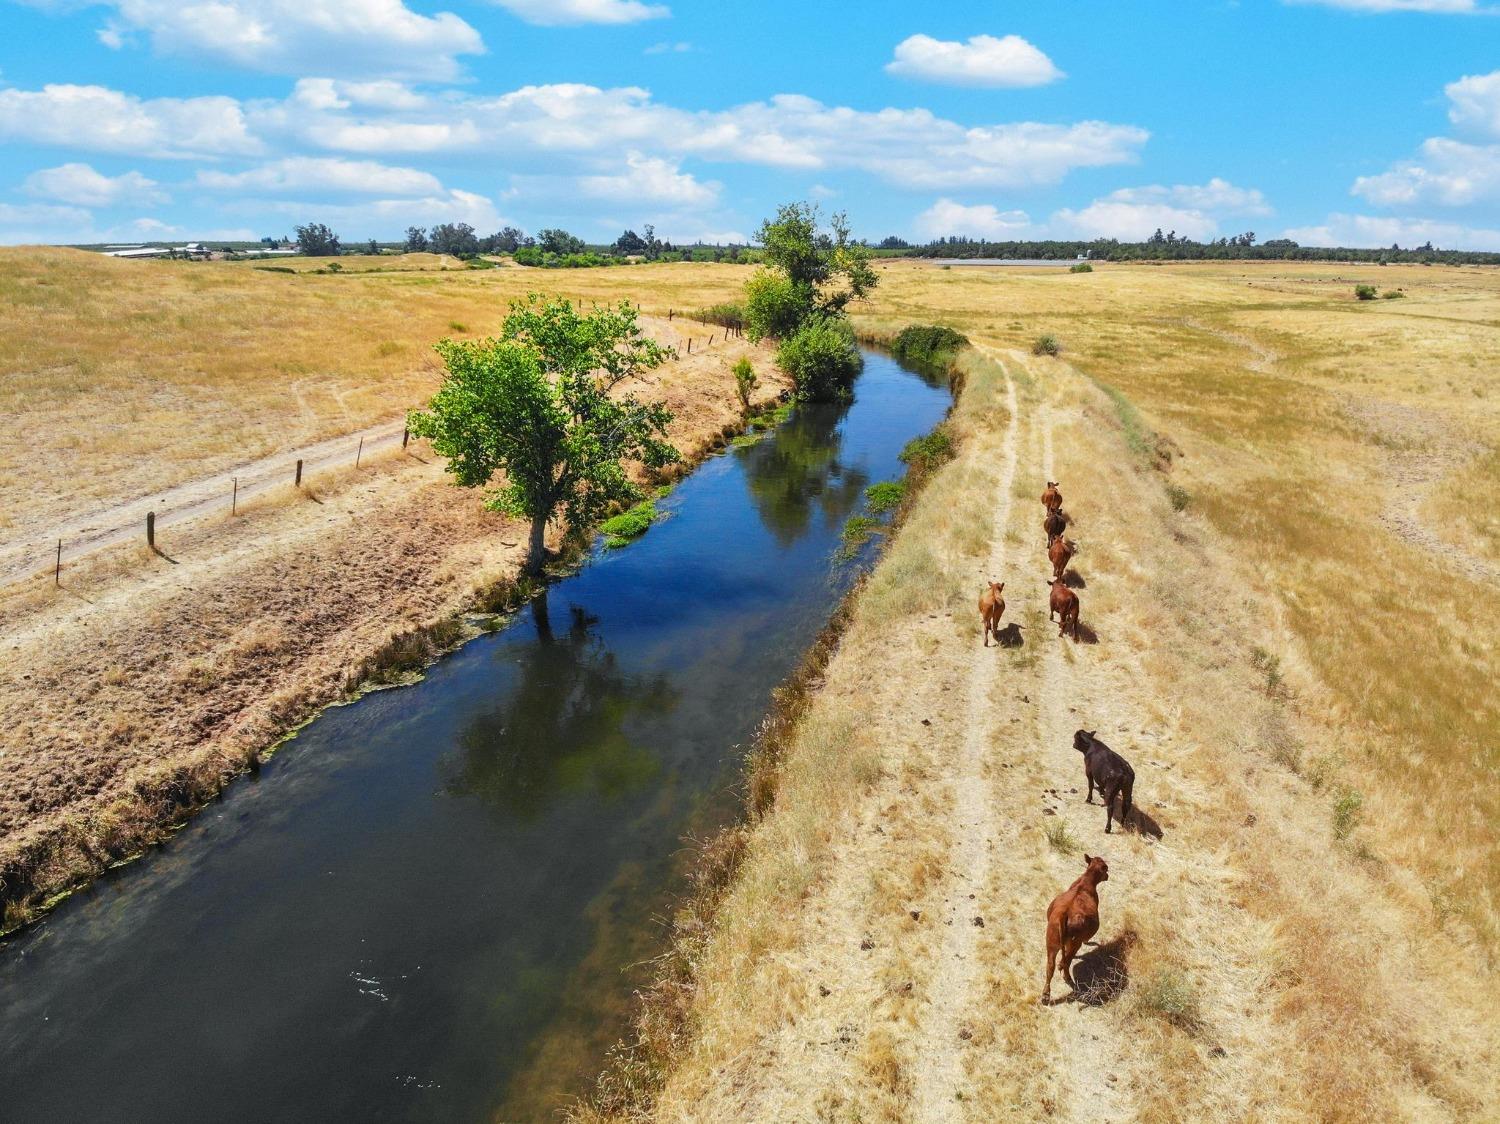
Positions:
(1107, 771)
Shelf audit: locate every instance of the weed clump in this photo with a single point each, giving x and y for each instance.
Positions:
(629, 525)
(1059, 838)
(744, 382)
(1179, 497)
(1047, 344)
(1081, 267)
(1168, 993)
(1365, 292)
(925, 455)
(885, 496)
(1346, 811)
(929, 347)
(1392, 295)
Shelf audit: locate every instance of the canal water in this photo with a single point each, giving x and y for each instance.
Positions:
(433, 904)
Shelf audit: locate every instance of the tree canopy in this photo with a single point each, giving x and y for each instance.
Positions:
(317, 241)
(456, 238)
(535, 407)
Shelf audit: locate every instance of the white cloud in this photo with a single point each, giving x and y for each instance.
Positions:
(536, 125)
(982, 61)
(325, 174)
(1475, 103)
(1216, 195)
(385, 217)
(382, 37)
(329, 93)
(1135, 222)
(98, 119)
(556, 13)
(1449, 6)
(1449, 173)
(42, 223)
(1373, 232)
(650, 179)
(80, 185)
(946, 217)
(668, 49)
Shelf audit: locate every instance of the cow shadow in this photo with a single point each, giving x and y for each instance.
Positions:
(1074, 580)
(1086, 635)
(1101, 974)
(1010, 636)
(1142, 823)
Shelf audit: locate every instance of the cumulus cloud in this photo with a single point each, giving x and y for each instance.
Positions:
(1135, 222)
(911, 148)
(1474, 103)
(329, 93)
(945, 217)
(1216, 195)
(556, 13)
(98, 119)
(382, 37)
(649, 179)
(982, 61)
(1373, 232)
(384, 216)
(82, 186)
(327, 175)
(1448, 173)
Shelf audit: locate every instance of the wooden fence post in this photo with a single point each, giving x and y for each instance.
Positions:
(405, 436)
(360, 452)
(690, 345)
(297, 483)
(151, 529)
(669, 313)
(57, 573)
(234, 499)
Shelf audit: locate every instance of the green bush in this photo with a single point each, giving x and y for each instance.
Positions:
(1081, 267)
(1392, 295)
(1178, 497)
(821, 359)
(924, 454)
(1365, 292)
(928, 345)
(885, 496)
(774, 306)
(744, 381)
(1346, 813)
(1046, 344)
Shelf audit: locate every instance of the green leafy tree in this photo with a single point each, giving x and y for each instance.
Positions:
(774, 306)
(630, 243)
(560, 242)
(416, 240)
(829, 268)
(317, 241)
(744, 381)
(821, 358)
(372, 248)
(536, 405)
(456, 238)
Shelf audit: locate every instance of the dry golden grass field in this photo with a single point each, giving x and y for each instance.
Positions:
(1288, 505)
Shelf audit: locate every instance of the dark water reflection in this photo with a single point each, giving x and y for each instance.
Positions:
(421, 910)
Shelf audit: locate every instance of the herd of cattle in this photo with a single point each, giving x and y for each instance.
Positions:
(1073, 916)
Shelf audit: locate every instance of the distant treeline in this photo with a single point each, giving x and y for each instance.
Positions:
(1170, 247)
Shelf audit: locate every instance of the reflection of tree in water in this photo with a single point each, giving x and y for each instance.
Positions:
(562, 728)
(798, 470)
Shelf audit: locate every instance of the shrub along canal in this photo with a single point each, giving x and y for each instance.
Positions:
(423, 909)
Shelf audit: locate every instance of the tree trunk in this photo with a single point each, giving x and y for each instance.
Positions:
(536, 555)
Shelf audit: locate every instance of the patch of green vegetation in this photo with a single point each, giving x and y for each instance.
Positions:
(1179, 497)
(885, 496)
(858, 530)
(1346, 811)
(1168, 993)
(928, 346)
(1137, 434)
(275, 269)
(1059, 838)
(725, 315)
(1392, 295)
(1081, 267)
(1365, 292)
(744, 382)
(457, 326)
(772, 418)
(745, 440)
(629, 525)
(923, 455)
(1047, 344)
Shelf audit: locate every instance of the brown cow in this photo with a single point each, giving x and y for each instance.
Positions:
(991, 608)
(1072, 918)
(1055, 523)
(1060, 553)
(1064, 606)
(1052, 498)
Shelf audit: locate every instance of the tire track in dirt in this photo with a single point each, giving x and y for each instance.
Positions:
(976, 824)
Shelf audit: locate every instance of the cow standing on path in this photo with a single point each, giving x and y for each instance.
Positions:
(1052, 498)
(1060, 553)
(1055, 524)
(991, 608)
(1072, 918)
(1064, 606)
(1107, 771)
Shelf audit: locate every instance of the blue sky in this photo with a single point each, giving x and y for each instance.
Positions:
(1353, 122)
